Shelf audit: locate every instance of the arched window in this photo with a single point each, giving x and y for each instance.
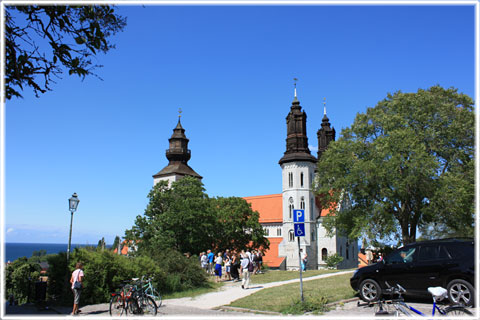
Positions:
(313, 236)
(341, 251)
(279, 232)
(290, 180)
(346, 253)
(301, 179)
(291, 236)
(324, 254)
(302, 203)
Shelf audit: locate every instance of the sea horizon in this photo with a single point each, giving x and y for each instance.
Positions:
(15, 250)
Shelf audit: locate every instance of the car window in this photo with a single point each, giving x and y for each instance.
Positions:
(401, 256)
(428, 253)
(443, 253)
(459, 250)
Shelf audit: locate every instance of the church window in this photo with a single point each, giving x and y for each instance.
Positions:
(266, 231)
(324, 254)
(341, 251)
(291, 236)
(290, 180)
(279, 232)
(312, 209)
(302, 203)
(290, 208)
(301, 179)
(347, 253)
(313, 235)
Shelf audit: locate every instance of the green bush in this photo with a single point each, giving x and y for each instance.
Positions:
(21, 276)
(333, 260)
(105, 272)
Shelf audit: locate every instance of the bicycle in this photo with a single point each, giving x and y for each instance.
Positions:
(150, 290)
(131, 300)
(145, 301)
(384, 307)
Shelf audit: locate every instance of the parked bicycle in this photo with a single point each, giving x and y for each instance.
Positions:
(398, 307)
(150, 291)
(129, 299)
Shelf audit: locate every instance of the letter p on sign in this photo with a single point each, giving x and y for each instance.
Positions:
(299, 215)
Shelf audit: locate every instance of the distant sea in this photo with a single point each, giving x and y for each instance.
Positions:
(14, 251)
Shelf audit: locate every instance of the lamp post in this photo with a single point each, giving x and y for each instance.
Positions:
(72, 204)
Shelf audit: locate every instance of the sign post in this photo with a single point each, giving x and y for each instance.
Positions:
(299, 228)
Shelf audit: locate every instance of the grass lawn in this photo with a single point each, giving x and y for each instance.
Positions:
(212, 286)
(280, 275)
(282, 298)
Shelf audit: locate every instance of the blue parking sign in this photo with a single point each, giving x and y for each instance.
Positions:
(299, 229)
(299, 215)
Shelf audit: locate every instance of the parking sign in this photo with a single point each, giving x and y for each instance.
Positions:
(299, 215)
(299, 229)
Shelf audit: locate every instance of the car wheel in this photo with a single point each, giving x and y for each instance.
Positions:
(370, 290)
(461, 292)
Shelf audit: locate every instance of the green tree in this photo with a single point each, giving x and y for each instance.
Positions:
(184, 218)
(238, 226)
(403, 164)
(42, 41)
(179, 217)
(21, 276)
(333, 260)
(116, 242)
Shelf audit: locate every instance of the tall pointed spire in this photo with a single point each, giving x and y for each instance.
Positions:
(297, 140)
(325, 134)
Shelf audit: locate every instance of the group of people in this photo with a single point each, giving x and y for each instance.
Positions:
(228, 265)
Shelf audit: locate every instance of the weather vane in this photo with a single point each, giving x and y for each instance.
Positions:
(179, 113)
(324, 106)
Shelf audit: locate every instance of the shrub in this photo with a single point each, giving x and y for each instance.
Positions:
(105, 272)
(21, 276)
(333, 260)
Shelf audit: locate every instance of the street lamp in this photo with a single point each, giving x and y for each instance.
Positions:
(72, 205)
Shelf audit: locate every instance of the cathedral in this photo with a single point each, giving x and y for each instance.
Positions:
(299, 168)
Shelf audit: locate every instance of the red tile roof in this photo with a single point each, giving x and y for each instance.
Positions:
(269, 207)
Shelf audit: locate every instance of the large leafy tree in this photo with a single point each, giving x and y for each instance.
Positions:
(238, 226)
(43, 41)
(405, 164)
(179, 217)
(184, 218)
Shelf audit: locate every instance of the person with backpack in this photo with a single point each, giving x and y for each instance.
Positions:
(76, 281)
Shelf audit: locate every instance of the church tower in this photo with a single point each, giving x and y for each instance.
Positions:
(178, 155)
(298, 171)
(325, 134)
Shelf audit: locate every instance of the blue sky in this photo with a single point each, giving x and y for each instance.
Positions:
(230, 69)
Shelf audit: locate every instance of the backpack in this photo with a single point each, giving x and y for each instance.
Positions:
(250, 266)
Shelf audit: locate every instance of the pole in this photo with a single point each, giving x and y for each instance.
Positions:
(70, 238)
(300, 264)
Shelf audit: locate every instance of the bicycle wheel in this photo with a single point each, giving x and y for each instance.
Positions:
(148, 305)
(117, 306)
(457, 311)
(157, 297)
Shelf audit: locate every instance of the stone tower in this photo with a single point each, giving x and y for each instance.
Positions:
(298, 171)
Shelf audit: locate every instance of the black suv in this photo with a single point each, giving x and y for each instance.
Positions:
(447, 263)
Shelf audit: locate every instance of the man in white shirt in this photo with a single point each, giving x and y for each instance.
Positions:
(244, 270)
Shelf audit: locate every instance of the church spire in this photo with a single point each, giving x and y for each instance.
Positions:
(325, 134)
(297, 140)
(178, 155)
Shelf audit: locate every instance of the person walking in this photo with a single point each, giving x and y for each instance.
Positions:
(204, 261)
(244, 268)
(228, 267)
(76, 281)
(234, 267)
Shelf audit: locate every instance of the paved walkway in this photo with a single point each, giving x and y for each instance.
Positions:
(197, 306)
(232, 291)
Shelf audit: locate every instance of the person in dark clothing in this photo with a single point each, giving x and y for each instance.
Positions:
(234, 268)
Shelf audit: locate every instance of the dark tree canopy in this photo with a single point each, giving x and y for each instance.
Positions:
(43, 41)
(402, 166)
(184, 218)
